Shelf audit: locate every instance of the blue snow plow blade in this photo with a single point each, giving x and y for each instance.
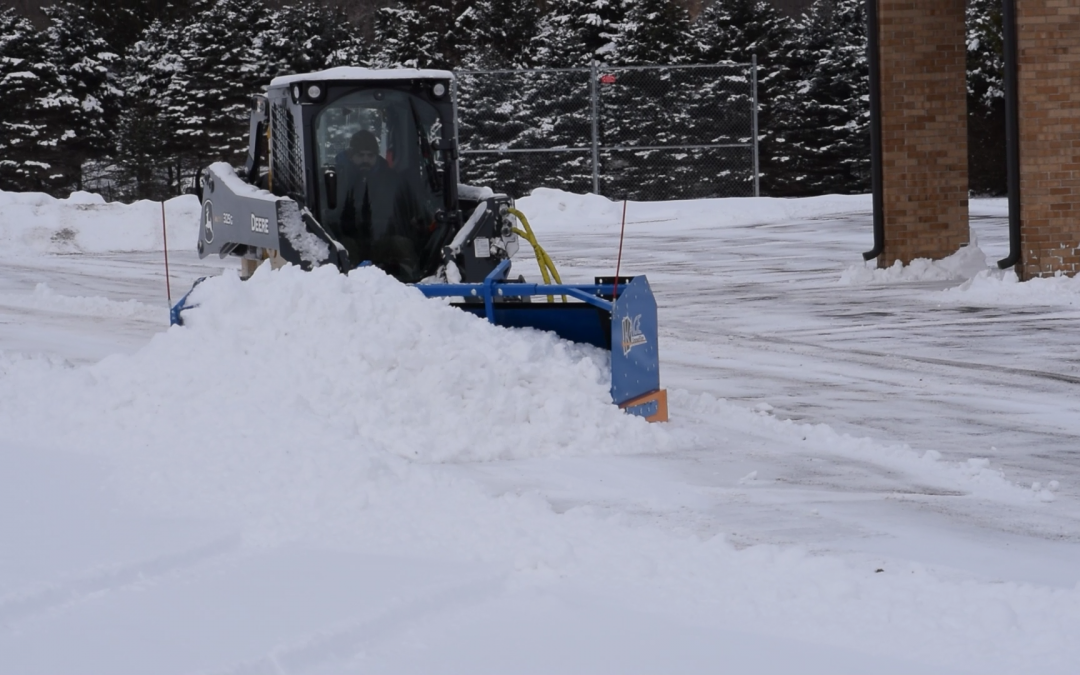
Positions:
(618, 317)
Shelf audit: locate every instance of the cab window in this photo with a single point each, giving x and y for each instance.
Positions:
(376, 156)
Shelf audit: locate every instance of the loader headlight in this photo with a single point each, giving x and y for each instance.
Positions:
(439, 89)
(296, 92)
(314, 91)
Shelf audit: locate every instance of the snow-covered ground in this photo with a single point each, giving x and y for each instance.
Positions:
(866, 470)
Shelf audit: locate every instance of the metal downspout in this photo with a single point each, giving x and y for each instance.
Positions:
(1012, 130)
(873, 46)
(594, 96)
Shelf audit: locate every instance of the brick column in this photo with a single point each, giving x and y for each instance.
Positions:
(1049, 92)
(923, 128)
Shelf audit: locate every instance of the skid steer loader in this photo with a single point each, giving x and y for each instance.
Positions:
(353, 166)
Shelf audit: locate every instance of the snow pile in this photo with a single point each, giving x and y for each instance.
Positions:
(966, 263)
(85, 223)
(289, 399)
(1002, 287)
(557, 211)
(321, 362)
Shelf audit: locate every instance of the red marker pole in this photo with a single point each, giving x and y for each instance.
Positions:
(618, 262)
(165, 239)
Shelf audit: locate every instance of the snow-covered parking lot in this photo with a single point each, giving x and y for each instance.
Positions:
(872, 471)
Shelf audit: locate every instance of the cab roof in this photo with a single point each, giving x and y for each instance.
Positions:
(363, 74)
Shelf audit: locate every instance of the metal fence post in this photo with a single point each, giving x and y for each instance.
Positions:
(753, 122)
(595, 129)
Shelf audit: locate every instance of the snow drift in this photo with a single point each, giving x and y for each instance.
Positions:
(558, 211)
(318, 363)
(86, 223)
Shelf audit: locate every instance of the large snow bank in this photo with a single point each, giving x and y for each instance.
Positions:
(295, 372)
(558, 211)
(85, 223)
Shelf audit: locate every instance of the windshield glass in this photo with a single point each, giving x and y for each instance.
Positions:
(376, 157)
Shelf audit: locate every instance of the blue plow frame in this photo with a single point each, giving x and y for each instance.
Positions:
(627, 326)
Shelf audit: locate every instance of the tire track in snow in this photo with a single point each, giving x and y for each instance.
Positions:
(21, 605)
(347, 642)
(951, 363)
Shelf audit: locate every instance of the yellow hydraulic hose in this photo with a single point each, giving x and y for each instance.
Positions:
(547, 267)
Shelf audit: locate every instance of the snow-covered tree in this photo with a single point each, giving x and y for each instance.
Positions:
(500, 34)
(645, 107)
(307, 37)
(147, 146)
(121, 22)
(424, 34)
(494, 110)
(88, 71)
(218, 69)
(735, 30)
(578, 32)
(653, 32)
(824, 114)
(986, 97)
(39, 117)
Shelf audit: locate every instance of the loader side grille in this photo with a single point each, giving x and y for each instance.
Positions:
(287, 158)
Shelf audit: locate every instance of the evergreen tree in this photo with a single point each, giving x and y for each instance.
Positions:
(146, 144)
(575, 33)
(733, 30)
(653, 32)
(493, 108)
(88, 71)
(736, 30)
(502, 34)
(647, 107)
(824, 115)
(427, 34)
(38, 119)
(554, 108)
(122, 22)
(308, 37)
(219, 67)
(986, 97)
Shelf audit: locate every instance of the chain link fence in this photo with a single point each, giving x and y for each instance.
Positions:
(650, 132)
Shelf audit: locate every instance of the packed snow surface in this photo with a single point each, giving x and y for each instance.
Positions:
(866, 470)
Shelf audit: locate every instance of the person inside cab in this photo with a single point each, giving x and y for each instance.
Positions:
(376, 206)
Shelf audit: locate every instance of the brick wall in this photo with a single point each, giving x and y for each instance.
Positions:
(1049, 83)
(924, 128)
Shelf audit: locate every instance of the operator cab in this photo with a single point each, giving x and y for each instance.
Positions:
(372, 155)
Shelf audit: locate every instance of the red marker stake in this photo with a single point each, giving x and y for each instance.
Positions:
(618, 262)
(165, 238)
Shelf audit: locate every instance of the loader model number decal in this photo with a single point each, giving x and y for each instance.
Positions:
(226, 219)
(631, 334)
(260, 225)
